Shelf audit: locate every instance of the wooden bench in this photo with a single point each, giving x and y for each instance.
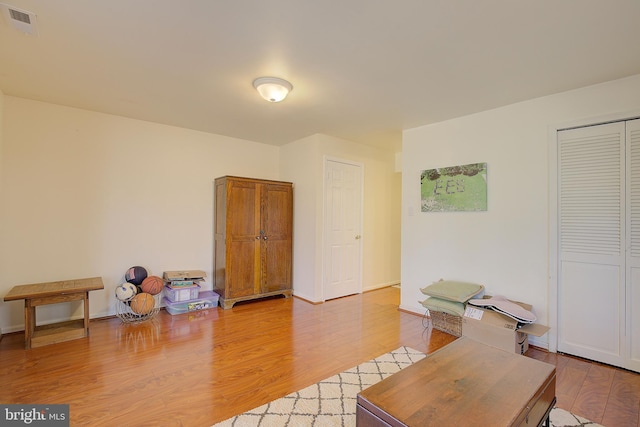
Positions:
(53, 293)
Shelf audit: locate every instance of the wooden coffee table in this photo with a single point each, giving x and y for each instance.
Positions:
(465, 383)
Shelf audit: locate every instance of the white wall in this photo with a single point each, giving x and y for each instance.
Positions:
(299, 164)
(1, 144)
(303, 162)
(507, 247)
(2, 205)
(87, 194)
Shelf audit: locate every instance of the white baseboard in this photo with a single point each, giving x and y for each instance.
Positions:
(540, 342)
(12, 329)
(379, 286)
(420, 311)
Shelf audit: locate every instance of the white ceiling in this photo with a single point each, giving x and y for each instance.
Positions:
(362, 70)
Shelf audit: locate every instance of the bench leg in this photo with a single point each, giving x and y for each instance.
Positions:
(29, 322)
(86, 314)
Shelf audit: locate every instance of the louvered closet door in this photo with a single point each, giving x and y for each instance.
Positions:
(632, 306)
(591, 299)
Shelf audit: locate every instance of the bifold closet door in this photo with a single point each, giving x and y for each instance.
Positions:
(592, 242)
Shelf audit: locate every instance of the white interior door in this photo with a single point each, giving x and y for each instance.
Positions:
(592, 242)
(342, 231)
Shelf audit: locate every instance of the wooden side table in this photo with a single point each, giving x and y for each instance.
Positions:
(53, 293)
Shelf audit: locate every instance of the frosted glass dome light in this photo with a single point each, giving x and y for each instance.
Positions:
(272, 89)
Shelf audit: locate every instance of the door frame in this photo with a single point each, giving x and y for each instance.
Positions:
(552, 138)
(326, 160)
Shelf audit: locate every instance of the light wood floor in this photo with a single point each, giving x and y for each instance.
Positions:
(198, 369)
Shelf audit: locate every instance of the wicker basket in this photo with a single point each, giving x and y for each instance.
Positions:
(446, 322)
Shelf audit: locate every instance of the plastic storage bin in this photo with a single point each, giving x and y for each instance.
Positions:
(181, 293)
(207, 299)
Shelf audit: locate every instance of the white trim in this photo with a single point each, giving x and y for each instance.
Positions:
(413, 309)
(553, 130)
(380, 286)
(553, 241)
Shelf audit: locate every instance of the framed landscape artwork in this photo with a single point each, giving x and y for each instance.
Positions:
(454, 188)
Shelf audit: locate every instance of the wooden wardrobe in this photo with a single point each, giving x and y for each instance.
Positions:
(253, 239)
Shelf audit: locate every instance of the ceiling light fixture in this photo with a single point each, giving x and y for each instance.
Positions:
(272, 89)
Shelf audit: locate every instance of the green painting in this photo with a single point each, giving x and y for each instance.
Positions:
(455, 188)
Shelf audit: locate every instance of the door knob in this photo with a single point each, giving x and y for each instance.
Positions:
(358, 237)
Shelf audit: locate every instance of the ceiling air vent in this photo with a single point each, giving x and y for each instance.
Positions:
(21, 20)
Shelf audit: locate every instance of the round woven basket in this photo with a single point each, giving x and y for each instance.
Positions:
(124, 312)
